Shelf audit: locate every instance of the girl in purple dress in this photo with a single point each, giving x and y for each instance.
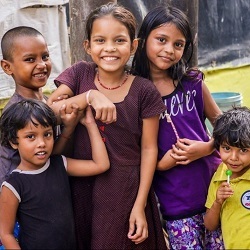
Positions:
(186, 159)
(118, 209)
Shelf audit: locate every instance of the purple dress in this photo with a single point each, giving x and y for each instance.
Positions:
(182, 190)
(102, 204)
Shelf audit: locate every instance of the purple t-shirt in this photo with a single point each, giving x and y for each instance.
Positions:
(182, 190)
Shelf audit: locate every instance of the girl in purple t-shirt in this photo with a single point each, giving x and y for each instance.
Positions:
(186, 159)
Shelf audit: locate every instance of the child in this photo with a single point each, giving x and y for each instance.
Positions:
(38, 191)
(121, 209)
(228, 196)
(186, 158)
(26, 59)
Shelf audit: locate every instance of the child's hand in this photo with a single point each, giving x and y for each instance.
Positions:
(186, 151)
(167, 161)
(88, 118)
(224, 191)
(105, 110)
(71, 119)
(138, 227)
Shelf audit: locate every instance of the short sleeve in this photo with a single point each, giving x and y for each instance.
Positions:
(211, 197)
(151, 100)
(12, 189)
(77, 76)
(68, 77)
(65, 162)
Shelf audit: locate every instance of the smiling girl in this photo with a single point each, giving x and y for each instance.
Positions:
(186, 159)
(118, 209)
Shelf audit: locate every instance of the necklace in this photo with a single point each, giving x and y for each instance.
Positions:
(112, 88)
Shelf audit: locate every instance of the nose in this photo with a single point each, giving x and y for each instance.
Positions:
(169, 48)
(110, 48)
(234, 156)
(41, 142)
(41, 64)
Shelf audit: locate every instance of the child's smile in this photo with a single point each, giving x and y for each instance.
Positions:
(236, 159)
(35, 143)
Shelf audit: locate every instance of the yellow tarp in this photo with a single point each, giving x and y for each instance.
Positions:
(235, 79)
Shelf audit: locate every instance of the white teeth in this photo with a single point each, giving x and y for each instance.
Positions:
(41, 153)
(39, 75)
(109, 58)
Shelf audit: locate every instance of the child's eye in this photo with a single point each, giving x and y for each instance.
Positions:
(99, 40)
(120, 40)
(45, 57)
(30, 136)
(29, 59)
(244, 150)
(48, 134)
(226, 148)
(179, 45)
(162, 40)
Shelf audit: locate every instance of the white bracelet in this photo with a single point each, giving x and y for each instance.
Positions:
(87, 97)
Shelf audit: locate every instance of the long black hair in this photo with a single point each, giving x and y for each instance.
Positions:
(155, 18)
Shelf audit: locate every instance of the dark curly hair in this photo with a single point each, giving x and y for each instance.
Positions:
(19, 114)
(233, 127)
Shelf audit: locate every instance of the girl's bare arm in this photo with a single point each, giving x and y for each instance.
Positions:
(149, 150)
(211, 109)
(104, 108)
(100, 160)
(8, 209)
